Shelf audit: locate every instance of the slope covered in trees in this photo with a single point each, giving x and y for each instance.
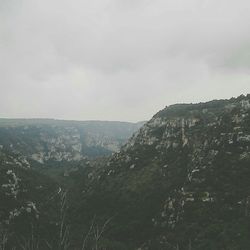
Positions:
(181, 182)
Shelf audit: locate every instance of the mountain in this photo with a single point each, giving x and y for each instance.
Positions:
(36, 157)
(181, 182)
(44, 141)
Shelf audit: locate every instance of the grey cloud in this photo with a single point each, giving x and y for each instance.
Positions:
(119, 60)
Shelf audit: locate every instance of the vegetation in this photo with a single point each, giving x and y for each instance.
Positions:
(182, 182)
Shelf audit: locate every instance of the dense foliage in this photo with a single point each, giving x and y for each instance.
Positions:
(181, 182)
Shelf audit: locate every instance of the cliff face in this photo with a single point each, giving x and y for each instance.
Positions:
(43, 141)
(37, 159)
(182, 182)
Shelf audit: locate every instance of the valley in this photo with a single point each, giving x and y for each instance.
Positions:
(179, 181)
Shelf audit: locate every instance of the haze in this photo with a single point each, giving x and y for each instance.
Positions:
(119, 59)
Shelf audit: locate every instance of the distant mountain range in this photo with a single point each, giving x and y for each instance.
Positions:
(45, 141)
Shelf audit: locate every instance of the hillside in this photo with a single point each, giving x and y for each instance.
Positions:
(181, 182)
(29, 208)
(55, 142)
(36, 157)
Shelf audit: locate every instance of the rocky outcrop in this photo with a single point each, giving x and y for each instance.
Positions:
(61, 141)
(183, 178)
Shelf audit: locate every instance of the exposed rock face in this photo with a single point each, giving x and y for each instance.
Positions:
(43, 141)
(187, 171)
(181, 182)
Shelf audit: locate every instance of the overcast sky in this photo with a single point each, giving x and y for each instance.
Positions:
(120, 59)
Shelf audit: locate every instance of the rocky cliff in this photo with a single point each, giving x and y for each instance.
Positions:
(181, 182)
(42, 141)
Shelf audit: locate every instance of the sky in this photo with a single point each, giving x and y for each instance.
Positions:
(120, 59)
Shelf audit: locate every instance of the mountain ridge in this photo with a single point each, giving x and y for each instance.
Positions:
(52, 140)
(172, 176)
(180, 182)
